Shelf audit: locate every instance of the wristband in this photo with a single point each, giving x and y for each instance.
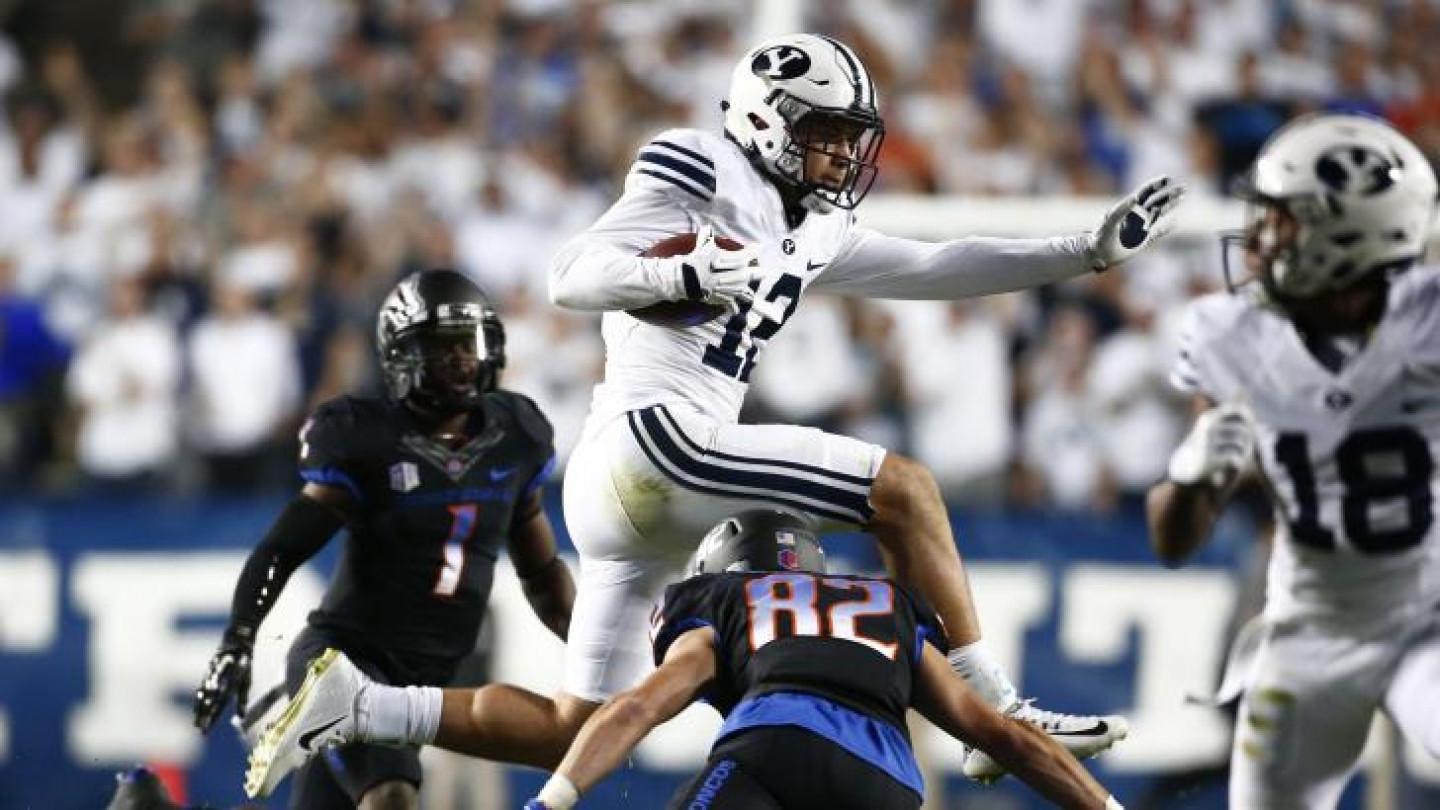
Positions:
(1111, 804)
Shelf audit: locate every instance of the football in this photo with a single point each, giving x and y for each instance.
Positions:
(680, 314)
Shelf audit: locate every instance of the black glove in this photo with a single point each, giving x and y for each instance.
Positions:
(228, 675)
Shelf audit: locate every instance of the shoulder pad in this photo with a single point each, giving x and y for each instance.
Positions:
(687, 604)
(678, 162)
(527, 415)
(1211, 318)
(341, 428)
(1209, 330)
(1416, 292)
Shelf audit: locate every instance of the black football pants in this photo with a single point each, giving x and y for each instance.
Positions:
(789, 768)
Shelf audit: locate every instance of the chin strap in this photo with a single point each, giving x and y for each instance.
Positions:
(438, 407)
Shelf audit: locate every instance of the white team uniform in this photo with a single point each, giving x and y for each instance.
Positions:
(1352, 616)
(662, 458)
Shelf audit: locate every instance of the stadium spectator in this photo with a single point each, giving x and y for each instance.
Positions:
(245, 392)
(1241, 123)
(32, 360)
(124, 386)
(958, 385)
(308, 150)
(1061, 462)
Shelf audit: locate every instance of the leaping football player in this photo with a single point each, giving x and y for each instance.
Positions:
(662, 457)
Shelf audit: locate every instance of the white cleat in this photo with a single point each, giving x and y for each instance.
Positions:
(1083, 736)
(321, 715)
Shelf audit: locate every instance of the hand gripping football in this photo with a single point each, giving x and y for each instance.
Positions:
(681, 314)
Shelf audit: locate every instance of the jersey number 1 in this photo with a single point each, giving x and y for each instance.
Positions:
(795, 596)
(462, 525)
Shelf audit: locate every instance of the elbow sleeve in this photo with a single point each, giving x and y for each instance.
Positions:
(302, 529)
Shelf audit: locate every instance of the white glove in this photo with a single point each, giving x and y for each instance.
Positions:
(1135, 223)
(714, 275)
(1219, 444)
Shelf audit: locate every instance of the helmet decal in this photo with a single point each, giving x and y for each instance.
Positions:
(780, 62)
(1353, 169)
(789, 559)
(860, 80)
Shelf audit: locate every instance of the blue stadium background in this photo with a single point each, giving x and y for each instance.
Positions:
(42, 687)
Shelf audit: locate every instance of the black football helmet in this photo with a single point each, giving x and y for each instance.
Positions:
(441, 344)
(140, 789)
(758, 540)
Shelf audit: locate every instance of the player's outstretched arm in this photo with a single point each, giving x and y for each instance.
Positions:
(543, 574)
(303, 528)
(1182, 509)
(610, 734)
(947, 701)
(880, 266)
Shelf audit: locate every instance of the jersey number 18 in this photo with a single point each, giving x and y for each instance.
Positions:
(1374, 466)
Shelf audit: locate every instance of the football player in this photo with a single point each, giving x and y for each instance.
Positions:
(662, 458)
(813, 674)
(1326, 372)
(140, 789)
(431, 483)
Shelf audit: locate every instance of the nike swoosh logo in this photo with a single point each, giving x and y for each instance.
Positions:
(818, 82)
(811, 267)
(501, 474)
(309, 736)
(1096, 730)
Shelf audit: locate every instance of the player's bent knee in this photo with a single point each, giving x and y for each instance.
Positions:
(396, 795)
(902, 487)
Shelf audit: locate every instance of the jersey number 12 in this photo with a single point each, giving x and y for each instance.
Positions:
(725, 356)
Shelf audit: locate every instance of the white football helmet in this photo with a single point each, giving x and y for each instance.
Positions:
(1335, 198)
(804, 93)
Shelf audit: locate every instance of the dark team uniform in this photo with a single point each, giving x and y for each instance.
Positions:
(408, 597)
(806, 663)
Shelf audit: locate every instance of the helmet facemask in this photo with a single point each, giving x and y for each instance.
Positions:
(1347, 300)
(829, 154)
(444, 357)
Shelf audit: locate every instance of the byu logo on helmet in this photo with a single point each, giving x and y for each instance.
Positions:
(780, 62)
(1354, 169)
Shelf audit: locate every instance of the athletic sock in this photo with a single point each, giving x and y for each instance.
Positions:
(398, 715)
(978, 667)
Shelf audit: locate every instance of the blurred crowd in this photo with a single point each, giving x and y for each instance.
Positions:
(204, 200)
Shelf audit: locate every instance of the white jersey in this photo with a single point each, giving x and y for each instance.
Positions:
(1349, 455)
(683, 179)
